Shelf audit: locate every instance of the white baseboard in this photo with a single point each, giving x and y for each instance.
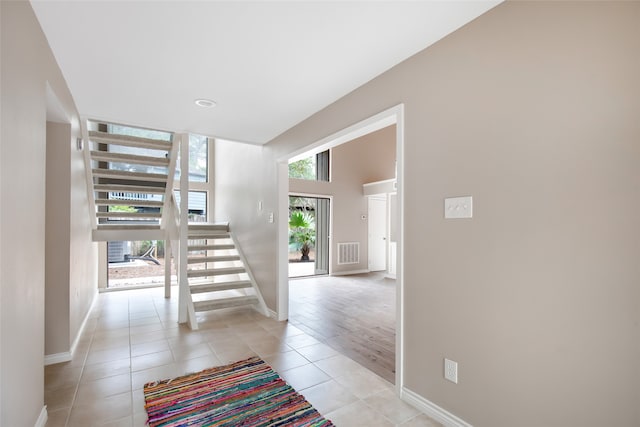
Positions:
(84, 324)
(272, 314)
(348, 272)
(52, 359)
(42, 419)
(431, 409)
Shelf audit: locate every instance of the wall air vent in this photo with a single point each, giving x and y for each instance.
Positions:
(349, 253)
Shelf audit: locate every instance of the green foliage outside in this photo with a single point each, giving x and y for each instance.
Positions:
(303, 169)
(120, 208)
(302, 233)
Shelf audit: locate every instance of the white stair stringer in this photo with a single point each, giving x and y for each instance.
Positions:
(217, 271)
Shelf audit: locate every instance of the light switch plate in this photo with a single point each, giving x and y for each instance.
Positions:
(458, 207)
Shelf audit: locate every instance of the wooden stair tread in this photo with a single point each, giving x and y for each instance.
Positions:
(129, 141)
(206, 236)
(215, 258)
(219, 286)
(224, 303)
(135, 226)
(210, 247)
(130, 176)
(108, 156)
(215, 271)
(129, 202)
(124, 188)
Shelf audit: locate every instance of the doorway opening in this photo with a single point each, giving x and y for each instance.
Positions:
(344, 236)
(309, 224)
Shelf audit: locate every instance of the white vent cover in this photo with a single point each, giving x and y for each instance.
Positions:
(349, 253)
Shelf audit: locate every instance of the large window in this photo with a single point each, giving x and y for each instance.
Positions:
(142, 263)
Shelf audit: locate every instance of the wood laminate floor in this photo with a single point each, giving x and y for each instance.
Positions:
(354, 315)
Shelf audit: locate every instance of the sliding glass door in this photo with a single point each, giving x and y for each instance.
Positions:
(309, 233)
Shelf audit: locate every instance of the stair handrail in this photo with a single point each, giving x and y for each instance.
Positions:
(86, 148)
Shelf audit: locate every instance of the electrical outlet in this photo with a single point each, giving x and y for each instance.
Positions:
(451, 370)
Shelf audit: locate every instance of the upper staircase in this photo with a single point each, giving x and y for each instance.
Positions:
(131, 197)
(130, 190)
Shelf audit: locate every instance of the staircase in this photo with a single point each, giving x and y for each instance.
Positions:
(131, 197)
(217, 272)
(128, 203)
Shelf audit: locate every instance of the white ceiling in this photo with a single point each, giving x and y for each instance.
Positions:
(268, 65)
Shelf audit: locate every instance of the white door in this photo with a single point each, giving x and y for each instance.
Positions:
(377, 233)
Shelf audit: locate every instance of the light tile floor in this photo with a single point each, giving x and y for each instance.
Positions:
(132, 337)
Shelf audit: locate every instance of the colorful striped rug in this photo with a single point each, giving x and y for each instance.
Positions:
(245, 393)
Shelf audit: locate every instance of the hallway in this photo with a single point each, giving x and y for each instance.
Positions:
(132, 337)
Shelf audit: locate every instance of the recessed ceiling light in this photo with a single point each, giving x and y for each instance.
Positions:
(206, 103)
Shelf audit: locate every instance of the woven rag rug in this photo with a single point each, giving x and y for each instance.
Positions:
(245, 393)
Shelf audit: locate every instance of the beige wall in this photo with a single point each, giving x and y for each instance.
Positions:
(240, 175)
(27, 66)
(369, 158)
(533, 110)
(56, 310)
(83, 253)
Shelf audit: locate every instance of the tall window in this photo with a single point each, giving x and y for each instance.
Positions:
(313, 168)
(198, 159)
(141, 263)
(199, 185)
(198, 168)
